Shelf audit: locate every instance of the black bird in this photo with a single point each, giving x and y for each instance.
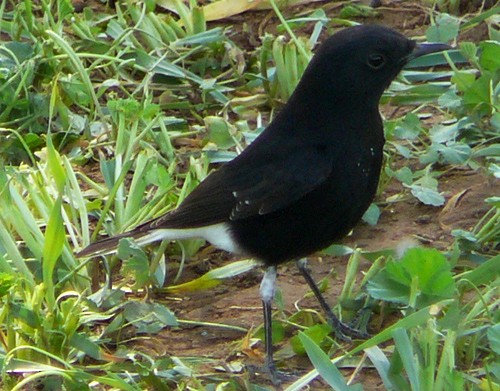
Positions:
(308, 178)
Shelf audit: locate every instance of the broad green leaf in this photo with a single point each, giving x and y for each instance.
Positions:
(135, 262)
(463, 79)
(409, 128)
(440, 133)
(450, 100)
(444, 30)
(75, 90)
(383, 287)
(372, 215)
(455, 153)
(427, 268)
(462, 234)
(469, 50)
(427, 76)
(164, 315)
(219, 132)
(490, 55)
(148, 317)
(416, 94)
(316, 333)
(82, 342)
(432, 269)
(404, 174)
(22, 52)
(403, 151)
(338, 250)
(430, 156)
(479, 91)
(427, 195)
(278, 331)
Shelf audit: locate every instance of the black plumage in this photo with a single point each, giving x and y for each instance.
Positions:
(309, 177)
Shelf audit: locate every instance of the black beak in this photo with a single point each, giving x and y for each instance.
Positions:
(427, 48)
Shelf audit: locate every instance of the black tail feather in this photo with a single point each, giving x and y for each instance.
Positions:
(107, 245)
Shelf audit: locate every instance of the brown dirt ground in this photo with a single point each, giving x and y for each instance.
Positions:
(236, 302)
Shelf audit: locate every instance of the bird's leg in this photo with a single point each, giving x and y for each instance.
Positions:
(267, 291)
(341, 329)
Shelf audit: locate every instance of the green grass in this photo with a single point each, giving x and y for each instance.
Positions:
(111, 117)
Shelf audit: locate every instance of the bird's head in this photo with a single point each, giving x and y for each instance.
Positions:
(360, 62)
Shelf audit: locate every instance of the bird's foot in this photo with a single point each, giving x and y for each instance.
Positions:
(360, 321)
(276, 377)
(346, 332)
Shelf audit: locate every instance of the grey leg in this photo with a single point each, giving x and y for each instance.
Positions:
(267, 291)
(341, 329)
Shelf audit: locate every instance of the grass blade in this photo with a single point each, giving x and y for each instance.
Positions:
(324, 366)
(54, 242)
(405, 349)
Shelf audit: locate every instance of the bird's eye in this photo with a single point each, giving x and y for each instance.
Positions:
(376, 61)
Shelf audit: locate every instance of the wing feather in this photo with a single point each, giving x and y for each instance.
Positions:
(251, 186)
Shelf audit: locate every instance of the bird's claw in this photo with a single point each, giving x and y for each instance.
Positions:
(346, 332)
(276, 377)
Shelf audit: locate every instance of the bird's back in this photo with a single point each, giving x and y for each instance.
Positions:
(330, 210)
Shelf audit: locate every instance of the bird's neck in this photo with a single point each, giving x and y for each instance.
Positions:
(327, 114)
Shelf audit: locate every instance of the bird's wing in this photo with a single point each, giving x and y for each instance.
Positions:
(254, 185)
(209, 203)
(277, 185)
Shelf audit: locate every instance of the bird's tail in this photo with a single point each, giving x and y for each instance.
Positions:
(109, 245)
(150, 232)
